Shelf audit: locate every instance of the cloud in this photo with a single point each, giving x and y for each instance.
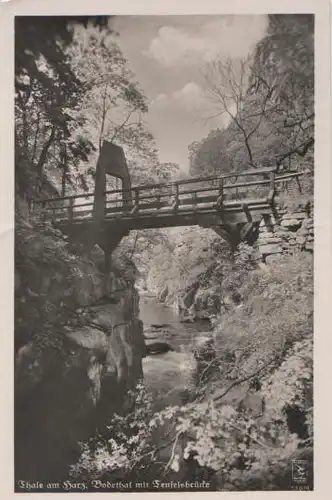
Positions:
(160, 101)
(173, 45)
(231, 36)
(187, 105)
(180, 117)
(189, 98)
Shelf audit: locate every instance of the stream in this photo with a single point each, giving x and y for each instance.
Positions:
(169, 375)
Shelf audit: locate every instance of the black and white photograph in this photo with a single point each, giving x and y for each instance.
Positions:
(164, 253)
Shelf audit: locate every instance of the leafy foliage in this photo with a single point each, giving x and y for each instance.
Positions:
(291, 385)
(44, 303)
(47, 89)
(124, 448)
(74, 89)
(262, 370)
(241, 452)
(113, 104)
(274, 310)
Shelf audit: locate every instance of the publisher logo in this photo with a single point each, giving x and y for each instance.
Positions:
(300, 471)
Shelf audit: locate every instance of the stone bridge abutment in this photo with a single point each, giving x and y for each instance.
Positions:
(290, 232)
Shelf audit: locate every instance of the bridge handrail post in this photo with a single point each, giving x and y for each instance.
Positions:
(194, 196)
(71, 210)
(53, 218)
(43, 211)
(136, 200)
(221, 186)
(176, 200)
(220, 198)
(272, 180)
(137, 191)
(272, 191)
(298, 184)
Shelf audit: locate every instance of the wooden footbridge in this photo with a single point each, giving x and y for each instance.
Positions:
(233, 205)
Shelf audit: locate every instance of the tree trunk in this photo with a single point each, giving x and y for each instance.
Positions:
(103, 118)
(42, 160)
(64, 171)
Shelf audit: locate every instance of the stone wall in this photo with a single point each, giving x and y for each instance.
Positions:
(291, 232)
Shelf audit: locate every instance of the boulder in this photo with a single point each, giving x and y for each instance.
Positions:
(266, 234)
(163, 294)
(295, 215)
(266, 241)
(308, 223)
(157, 348)
(270, 249)
(302, 232)
(190, 296)
(282, 234)
(309, 246)
(292, 224)
(271, 259)
(206, 303)
(301, 240)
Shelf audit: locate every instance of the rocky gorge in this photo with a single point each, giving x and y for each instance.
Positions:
(72, 376)
(84, 337)
(69, 378)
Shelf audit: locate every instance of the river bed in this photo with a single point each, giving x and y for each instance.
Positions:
(169, 376)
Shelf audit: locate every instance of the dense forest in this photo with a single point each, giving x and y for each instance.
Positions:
(249, 413)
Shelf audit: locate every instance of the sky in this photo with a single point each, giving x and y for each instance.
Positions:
(168, 55)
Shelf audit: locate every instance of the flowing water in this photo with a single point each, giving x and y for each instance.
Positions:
(169, 375)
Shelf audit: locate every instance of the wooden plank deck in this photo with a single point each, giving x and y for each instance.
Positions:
(200, 201)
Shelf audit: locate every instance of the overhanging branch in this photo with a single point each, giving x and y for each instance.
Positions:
(300, 150)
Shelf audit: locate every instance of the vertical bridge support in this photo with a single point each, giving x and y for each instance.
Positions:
(111, 162)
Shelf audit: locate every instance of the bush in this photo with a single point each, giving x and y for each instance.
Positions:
(49, 280)
(275, 311)
(236, 450)
(124, 448)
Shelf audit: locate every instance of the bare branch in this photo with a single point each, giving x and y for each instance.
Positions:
(36, 137)
(243, 379)
(235, 82)
(43, 156)
(103, 117)
(24, 123)
(169, 463)
(124, 123)
(300, 150)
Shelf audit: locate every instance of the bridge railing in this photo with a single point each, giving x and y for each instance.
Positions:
(189, 194)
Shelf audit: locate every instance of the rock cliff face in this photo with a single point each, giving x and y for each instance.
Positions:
(65, 390)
